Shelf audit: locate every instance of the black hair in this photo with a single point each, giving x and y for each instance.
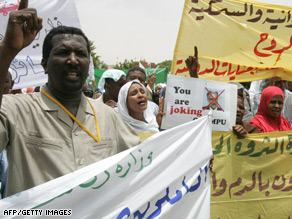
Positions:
(246, 84)
(136, 68)
(47, 46)
(240, 97)
(240, 92)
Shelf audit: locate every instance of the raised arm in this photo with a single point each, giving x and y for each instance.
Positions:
(161, 112)
(23, 26)
(151, 80)
(192, 63)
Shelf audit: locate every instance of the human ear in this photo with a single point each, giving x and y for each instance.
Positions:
(44, 64)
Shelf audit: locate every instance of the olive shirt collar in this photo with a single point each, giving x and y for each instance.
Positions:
(49, 106)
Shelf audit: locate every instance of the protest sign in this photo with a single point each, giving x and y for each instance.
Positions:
(190, 98)
(26, 67)
(237, 40)
(253, 176)
(166, 176)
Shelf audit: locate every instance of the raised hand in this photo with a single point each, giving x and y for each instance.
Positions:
(192, 63)
(22, 28)
(151, 80)
(161, 112)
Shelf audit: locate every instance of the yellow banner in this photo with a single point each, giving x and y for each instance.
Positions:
(253, 176)
(237, 40)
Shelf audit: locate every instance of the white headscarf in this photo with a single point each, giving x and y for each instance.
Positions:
(114, 74)
(137, 125)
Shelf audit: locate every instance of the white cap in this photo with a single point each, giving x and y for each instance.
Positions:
(114, 74)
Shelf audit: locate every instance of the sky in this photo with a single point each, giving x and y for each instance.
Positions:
(134, 29)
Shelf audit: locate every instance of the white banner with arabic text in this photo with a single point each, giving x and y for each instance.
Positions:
(26, 67)
(167, 176)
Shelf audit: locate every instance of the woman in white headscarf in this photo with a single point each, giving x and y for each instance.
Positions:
(133, 107)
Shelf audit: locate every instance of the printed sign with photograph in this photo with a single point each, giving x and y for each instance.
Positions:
(190, 98)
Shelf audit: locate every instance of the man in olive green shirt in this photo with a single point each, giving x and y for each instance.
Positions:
(57, 131)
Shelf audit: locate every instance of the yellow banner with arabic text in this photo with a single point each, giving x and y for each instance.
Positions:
(237, 40)
(253, 176)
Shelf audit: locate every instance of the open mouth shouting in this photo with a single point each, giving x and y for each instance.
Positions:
(142, 103)
(73, 75)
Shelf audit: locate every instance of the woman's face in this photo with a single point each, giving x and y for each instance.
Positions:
(275, 106)
(137, 99)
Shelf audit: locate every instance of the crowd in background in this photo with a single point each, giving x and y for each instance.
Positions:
(84, 130)
(250, 107)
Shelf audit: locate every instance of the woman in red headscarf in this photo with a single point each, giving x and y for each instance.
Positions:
(268, 117)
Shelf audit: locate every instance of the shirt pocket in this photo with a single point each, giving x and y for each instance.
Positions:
(43, 143)
(101, 150)
(47, 152)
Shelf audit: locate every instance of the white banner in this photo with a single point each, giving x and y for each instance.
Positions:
(167, 176)
(190, 98)
(26, 67)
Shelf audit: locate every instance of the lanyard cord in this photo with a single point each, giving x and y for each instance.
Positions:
(75, 119)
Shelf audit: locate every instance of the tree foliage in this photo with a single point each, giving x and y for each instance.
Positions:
(126, 64)
(98, 64)
(165, 64)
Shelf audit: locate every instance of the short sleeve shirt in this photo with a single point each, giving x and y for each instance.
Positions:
(45, 143)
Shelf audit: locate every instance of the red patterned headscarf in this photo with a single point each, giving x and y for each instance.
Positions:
(263, 120)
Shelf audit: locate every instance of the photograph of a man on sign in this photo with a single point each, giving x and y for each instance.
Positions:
(214, 99)
(189, 99)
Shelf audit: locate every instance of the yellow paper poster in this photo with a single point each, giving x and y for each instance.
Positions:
(237, 40)
(253, 176)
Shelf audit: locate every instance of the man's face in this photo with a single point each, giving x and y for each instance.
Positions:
(281, 84)
(210, 99)
(114, 87)
(68, 63)
(137, 75)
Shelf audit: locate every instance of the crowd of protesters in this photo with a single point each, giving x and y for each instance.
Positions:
(39, 129)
